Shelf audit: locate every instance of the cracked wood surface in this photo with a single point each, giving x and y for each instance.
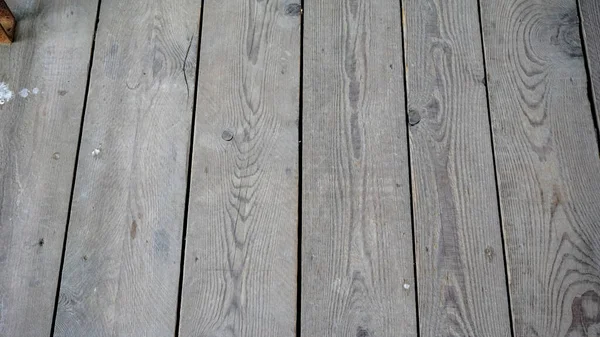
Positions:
(123, 250)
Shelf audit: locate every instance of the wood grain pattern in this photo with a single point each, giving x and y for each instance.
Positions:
(38, 145)
(548, 164)
(357, 256)
(241, 245)
(589, 13)
(122, 262)
(460, 264)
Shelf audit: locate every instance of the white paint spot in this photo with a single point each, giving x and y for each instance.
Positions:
(24, 92)
(338, 286)
(35, 91)
(96, 152)
(406, 286)
(5, 93)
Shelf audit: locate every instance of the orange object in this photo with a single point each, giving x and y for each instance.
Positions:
(7, 24)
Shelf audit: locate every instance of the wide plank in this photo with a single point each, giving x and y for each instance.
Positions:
(46, 71)
(122, 260)
(242, 238)
(589, 13)
(458, 240)
(357, 247)
(547, 165)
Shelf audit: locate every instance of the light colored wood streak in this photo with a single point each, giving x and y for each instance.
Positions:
(589, 12)
(460, 264)
(548, 164)
(357, 258)
(38, 144)
(121, 270)
(241, 246)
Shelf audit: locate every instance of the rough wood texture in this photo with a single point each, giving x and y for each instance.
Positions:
(548, 164)
(589, 11)
(457, 226)
(357, 257)
(121, 270)
(38, 144)
(241, 246)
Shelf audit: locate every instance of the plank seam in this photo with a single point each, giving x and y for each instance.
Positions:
(588, 73)
(84, 108)
(500, 216)
(300, 137)
(410, 185)
(190, 167)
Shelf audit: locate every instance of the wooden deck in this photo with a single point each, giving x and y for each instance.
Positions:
(347, 168)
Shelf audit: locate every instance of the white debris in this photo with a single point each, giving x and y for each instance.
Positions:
(35, 91)
(406, 286)
(24, 92)
(96, 152)
(5, 93)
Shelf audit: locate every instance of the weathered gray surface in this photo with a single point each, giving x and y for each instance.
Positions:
(357, 258)
(38, 144)
(589, 11)
(121, 270)
(548, 164)
(241, 246)
(122, 266)
(460, 264)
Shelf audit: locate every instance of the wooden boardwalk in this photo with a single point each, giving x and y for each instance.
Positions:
(377, 168)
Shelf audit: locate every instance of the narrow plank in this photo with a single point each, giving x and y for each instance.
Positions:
(241, 244)
(39, 133)
(589, 13)
(357, 253)
(547, 165)
(460, 265)
(122, 261)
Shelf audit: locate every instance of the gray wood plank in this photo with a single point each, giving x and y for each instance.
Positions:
(547, 165)
(457, 226)
(357, 253)
(39, 133)
(241, 244)
(589, 13)
(122, 261)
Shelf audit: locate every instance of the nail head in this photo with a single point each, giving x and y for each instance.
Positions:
(227, 135)
(413, 117)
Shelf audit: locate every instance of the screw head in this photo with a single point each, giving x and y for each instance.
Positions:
(227, 135)
(413, 117)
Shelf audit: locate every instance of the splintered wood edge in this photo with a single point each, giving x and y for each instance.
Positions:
(7, 24)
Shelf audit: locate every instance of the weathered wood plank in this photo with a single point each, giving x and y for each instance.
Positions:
(241, 245)
(547, 164)
(357, 258)
(48, 63)
(589, 11)
(457, 231)
(121, 269)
